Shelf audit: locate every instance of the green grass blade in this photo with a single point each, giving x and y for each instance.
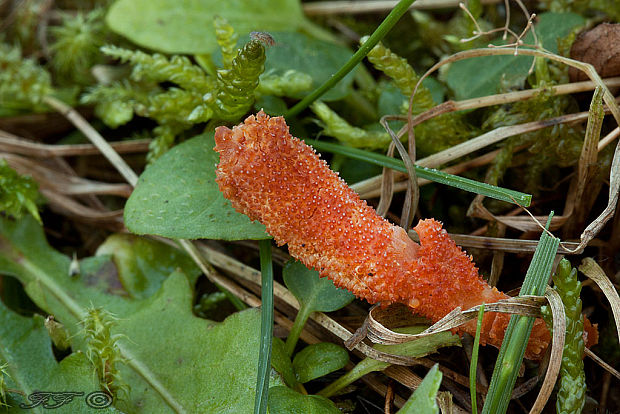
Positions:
(385, 26)
(266, 329)
(474, 362)
(519, 328)
(431, 174)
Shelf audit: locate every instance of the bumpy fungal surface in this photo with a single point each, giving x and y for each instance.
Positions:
(280, 181)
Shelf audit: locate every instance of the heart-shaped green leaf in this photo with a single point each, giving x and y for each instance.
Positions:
(318, 58)
(178, 197)
(467, 80)
(313, 292)
(317, 360)
(174, 26)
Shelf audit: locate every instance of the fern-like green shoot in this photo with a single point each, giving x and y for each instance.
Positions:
(114, 104)
(236, 86)
(18, 193)
(163, 140)
(335, 126)
(103, 350)
(159, 68)
(402, 74)
(572, 392)
(291, 83)
(227, 40)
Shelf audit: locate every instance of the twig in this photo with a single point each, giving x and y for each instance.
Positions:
(94, 136)
(18, 145)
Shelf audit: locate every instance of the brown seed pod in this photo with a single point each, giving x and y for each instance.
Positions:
(599, 47)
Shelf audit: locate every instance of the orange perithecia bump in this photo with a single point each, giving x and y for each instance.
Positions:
(280, 181)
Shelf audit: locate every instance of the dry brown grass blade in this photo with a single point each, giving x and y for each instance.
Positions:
(95, 137)
(387, 186)
(586, 166)
(593, 271)
(602, 363)
(497, 243)
(16, 145)
(71, 208)
(61, 182)
(614, 191)
(504, 98)
(557, 348)
(378, 332)
(495, 136)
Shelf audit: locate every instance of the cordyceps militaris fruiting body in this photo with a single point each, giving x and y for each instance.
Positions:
(280, 181)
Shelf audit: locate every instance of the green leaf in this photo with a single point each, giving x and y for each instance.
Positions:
(174, 361)
(173, 26)
(423, 400)
(178, 197)
(26, 349)
(313, 292)
(317, 360)
(283, 400)
(467, 80)
(415, 349)
(205, 367)
(422, 346)
(282, 363)
(143, 264)
(317, 58)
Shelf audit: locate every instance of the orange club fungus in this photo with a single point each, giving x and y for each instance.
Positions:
(277, 179)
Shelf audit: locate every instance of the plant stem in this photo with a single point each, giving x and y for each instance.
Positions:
(264, 361)
(298, 325)
(364, 367)
(385, 26)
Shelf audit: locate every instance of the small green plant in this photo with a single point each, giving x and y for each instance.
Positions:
(18, 193)
(103, 350)
(134, 323)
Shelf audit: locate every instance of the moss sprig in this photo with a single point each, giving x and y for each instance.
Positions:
(290, 83)
(3, 386)
(236, 86)
(23, 82)
(572, 390)
(226, 39)
(196, 96)
(75, 48)
(18, 193)
(103, 351)
(159, 68)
